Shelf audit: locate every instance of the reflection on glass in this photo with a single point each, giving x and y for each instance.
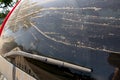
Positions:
(114, 60)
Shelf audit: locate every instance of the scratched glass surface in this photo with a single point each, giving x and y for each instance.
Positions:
(93, 25)
(78, 31)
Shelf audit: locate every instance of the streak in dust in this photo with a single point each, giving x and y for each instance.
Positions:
(69, 44)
